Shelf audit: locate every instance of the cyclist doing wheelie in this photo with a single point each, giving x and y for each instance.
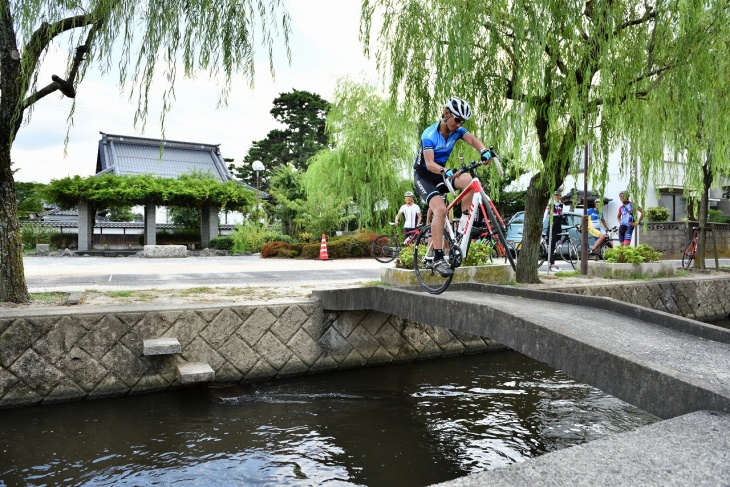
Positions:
(437, 143)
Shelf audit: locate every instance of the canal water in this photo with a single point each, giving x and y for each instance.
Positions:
(413, 424)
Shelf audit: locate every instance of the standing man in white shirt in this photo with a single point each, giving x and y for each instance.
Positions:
(411, 214)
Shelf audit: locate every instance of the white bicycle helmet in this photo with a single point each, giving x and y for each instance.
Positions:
(459, 108)
(408, 193)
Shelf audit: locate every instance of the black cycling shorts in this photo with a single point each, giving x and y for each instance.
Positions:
(429, 184)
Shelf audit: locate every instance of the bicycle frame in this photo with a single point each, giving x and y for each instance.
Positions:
(478, 199)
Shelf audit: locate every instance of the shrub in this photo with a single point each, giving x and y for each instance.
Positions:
(64, 240)
(277, 237)
(249, 237)
(479, 254)
(717, 216)
(289, 253)
(224, 242)
(657, 214)
(33, 234)
(632, 255)
(310, 251)
(405, 258)
(273, 249)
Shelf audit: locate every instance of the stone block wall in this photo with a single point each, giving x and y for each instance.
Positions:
(702, 298)
(76, 355)
(671, 238)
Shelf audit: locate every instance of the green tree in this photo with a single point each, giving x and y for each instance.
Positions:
(372, 142)
(303, 113)
(187, 218)
(29, 198)
(544, 78)
(288, 197)
(120, 214)
(695, 122)
(142, 39)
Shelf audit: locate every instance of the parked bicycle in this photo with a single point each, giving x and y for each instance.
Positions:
(611, 242)
(455, 245)
(565, 248)
(387, 247)
(690, 249)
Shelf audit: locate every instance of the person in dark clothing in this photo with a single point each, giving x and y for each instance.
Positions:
(557, 211)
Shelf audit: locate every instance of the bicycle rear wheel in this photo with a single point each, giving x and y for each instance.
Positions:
(501, 241)
(689, 254)
(384, 248)
(604, 247)
(432, 281)
(569, 253)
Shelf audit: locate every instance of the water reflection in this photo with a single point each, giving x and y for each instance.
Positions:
(410, 425)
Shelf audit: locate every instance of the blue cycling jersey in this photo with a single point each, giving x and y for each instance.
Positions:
(431, 139)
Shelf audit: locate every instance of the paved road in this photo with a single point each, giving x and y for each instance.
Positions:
(113, 273)
(110, 273)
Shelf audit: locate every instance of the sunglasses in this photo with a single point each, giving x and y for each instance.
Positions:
(458, 120)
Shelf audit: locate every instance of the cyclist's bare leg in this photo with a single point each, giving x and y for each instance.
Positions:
(460, 183)
(438, 212)
(599, 242)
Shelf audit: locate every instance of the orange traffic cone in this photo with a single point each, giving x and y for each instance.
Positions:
(323, 249)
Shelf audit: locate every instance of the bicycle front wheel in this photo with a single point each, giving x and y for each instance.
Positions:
(384, 248)
(432, 281)
(689, 254)
(503, 250)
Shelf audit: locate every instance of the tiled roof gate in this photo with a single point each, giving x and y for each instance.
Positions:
(124, 155)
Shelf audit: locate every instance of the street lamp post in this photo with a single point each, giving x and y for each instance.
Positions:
(257, 166)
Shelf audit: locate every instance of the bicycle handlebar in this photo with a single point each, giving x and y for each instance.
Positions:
(474, 164)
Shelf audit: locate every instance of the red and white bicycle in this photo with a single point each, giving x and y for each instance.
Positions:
(455, 245)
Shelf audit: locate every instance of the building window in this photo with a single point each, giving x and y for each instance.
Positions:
(675, 203)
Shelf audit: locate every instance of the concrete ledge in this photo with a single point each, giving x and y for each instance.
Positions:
(660, 318)
(686, 450)
(164, 251)
(620, 271)
(194, 372)
(161, 346)
(495, 274)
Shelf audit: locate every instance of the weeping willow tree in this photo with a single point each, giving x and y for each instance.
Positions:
(544, 78)
(693, 105)
(142, 40)
(372, 142)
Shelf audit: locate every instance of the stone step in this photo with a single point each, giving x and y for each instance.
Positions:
(161, 346)
(191, 372)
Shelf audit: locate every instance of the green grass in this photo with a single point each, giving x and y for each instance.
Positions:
(49, 297)
(195, 290)
(376, 283)
(572, 273)
(120, 294)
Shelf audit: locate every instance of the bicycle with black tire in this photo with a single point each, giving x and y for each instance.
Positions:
(565, 248)
(386, 247)
(690, 250)
(455, 245)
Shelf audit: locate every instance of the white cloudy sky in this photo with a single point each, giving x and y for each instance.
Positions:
(324, 45)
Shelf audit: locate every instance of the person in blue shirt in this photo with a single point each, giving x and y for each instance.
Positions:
(596, 225)
(626, 218)
(437, 143)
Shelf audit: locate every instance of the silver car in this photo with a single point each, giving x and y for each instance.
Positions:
(517, 222)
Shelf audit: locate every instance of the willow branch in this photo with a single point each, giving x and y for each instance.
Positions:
(648, 15)
(66, 86)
